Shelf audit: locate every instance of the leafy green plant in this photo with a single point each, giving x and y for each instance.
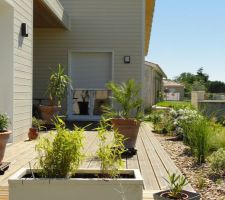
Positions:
(198, 137)
(57, 87)
(37, 123)
(217, 138)
(155, 118)
(176, 184)
(4, 122)
(162, 121)
(109, 150)
(126, 95)
(217, 161)
(60, 154)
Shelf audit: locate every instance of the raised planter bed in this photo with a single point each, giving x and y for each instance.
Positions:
(76, 188)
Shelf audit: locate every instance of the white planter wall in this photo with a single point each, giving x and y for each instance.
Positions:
(79, 189)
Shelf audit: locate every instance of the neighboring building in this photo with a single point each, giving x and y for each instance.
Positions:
(153, 83)
(173, 91)
(90, 38)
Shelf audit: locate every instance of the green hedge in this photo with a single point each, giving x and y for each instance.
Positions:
(176, 104)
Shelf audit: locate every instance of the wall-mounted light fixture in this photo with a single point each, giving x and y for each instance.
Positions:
(24, 30)
(127, 59)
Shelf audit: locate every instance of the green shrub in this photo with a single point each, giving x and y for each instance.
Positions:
(4, 122)
(110, 150)
(217, 137)
(162, 121)
(198, 138)
(155, 118)
(60, 154)
(176, 104)
(217, 161)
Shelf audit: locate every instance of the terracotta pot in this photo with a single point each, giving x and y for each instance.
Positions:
(33, 133)
(48, 113)
(4, 136)
(129, 128)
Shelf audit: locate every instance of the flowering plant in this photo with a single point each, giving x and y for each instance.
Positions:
(183, 118)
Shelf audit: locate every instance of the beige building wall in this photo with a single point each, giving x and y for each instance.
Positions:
(23, 67)
(6, 60)
(96, 25)
(148, 87)
(152, 84)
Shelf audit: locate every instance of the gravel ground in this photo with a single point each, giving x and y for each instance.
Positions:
(200, 177)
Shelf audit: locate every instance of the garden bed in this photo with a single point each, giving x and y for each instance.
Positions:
(209, 186)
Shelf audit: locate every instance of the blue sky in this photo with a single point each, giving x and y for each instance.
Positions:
(187, 35)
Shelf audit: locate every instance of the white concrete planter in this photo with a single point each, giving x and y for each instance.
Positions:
(75, 188)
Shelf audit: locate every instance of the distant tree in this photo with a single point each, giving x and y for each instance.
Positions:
(185, 78)
(201, 77)
(199, 81)
(191, 81)
(216, 87)
(198, 86)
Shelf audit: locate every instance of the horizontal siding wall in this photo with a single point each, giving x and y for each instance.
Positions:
(23, 69)
(95, 25)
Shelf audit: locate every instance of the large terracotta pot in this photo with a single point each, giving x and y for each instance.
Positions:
(4, 136)
(33, 133)
(48, 113)
(129, 128)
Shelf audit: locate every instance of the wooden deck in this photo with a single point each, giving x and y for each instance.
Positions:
(151, 159)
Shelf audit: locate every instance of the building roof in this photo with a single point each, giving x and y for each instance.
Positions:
(156, 67)
(170, 83)
(150, 5)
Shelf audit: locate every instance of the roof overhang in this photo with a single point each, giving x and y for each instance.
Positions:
(150, 5)
(50, 14)
(156, 67)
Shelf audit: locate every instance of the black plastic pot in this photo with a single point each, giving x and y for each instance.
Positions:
(189, 195)
(83, 107)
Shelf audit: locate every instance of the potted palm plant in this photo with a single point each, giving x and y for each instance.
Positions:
(57, 88)
(4, 134)
(37, 125)
(176, 185)
(58, 175)
(127, 117)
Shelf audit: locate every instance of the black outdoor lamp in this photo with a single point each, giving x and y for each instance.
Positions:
(24, 30)
(126, 59)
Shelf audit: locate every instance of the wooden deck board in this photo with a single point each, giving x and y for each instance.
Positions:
(150, 182)
(158, 167)
(151, 159)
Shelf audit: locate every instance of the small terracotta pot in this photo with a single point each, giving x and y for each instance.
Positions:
(33, 133)
(4, 136)
(129, 128)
